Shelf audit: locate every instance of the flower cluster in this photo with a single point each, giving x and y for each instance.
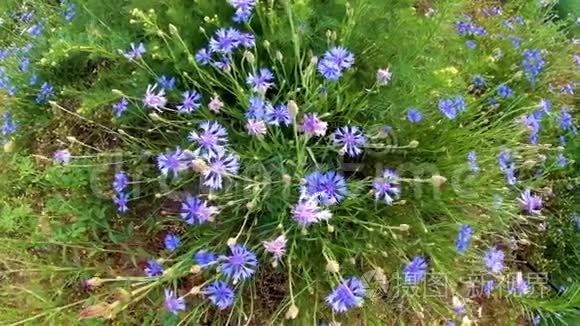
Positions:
(532, 64)
(451, 107)
(119, 186)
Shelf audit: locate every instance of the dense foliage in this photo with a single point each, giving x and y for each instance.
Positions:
(315, 162)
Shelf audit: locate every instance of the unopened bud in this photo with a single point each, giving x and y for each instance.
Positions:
(274, 263)
(154, 116)
(117, 92)
(249, 56)
(71, 139)
(195, 269)
(266, 44)
(212, 197)
(287, 179)
(293, 109)
(94, 283)
(195, 290)
(404, 227)
(292, 312)
(9, 147)
(332, 266)
(250, 205)
(231, 242)
(279, 56)
(330, 228)
(438, 181)
(413, 144)
(314, 60)
(173, 29)
(199, 166)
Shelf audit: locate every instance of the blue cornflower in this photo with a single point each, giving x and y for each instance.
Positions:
(70, 11)
(121, 200)
(414, 115)
(532, 64)
(222, 64)
(33, 79)
(471, 44)
(173, 162)
(12, 91)
(516, 42)
(9, 125)
(308, 211)
(545, 105)
(566, 122)
(520, 287)
(205, 258)
(62, 156)
(348, 294)
(416, 270)
(340, 56)
(568, 89)
(507, 166)
(278, 115)
(472, 161)
(35, 30)
(387, 186)
(509, 23)
(120, 107)
(494, 260)
(260, 81)
(531, 204)
(24, 64)
(329, 187)
(240, 265)
(478, 81)
(532, 122)
(495, 11)
(258, 108)
(488, 288)
(45, 92)
(153, 268)
(212, 138)
(463, 238)
(195, 210)
(536, 320)
(247, 40)
(350, 139)
(220, 294)
(173, 303)
(120, 181)
(191, 102)
(171, 242)
(219, 166)
(562, 160)
(329, 70)
(505, 91)
(166, 83)
(136, 52)
(447, 107)
(244, 9)
(203, 57)
(225, 41)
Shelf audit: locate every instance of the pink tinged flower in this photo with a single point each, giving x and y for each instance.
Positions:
(276, 247)
(256, 127)
(153, 99)
(216, 104)
(312, 126)
(531, 204)
(383, 76)
(62, 156)
(308, 211)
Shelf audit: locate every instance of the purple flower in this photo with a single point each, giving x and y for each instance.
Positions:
(240, 265)
(507, 166)
(329, 70)
(260, 81)
(173, 162)
(153, 99)
(278, 115)
(532, 64)
(488, 288)
(9, 125)
(329, 187)
(562, 160)
(256, 127)
(171, 242)
(414, 115)
(532, 122)
(478, 81)
(472, 161)
(308, 211)
(494, 260)
(531, 204)
(247, 40)
(387, 187)
(350, 139)
(384, 77)
(505, 91)
(340, 56)
(471, 44)
(276, 247)
(166, 83)
(215, 105)
(516, 42)
(205, 258)
(121, 200)
(220, 294)
(33, 79)
(220, 165)
(447, 107)
(62, 156)
(173, 304)
(195, 210)
(153, 268)
(243, 9)
(566, 121)
(203, 57)
(520, 287)
(536, 320)
(191, 102)
(46, 91)
(120, 182)
(212, 138)
(35, 30)
(416, 270)
(568, 89)
(225, 41)
(69, 11)
(348, 294)
(258, 109)
(545, 105)
(463, 238)
(136, 52)
(120, 107)
(312, 125)
(458, 306)
(24, 64)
